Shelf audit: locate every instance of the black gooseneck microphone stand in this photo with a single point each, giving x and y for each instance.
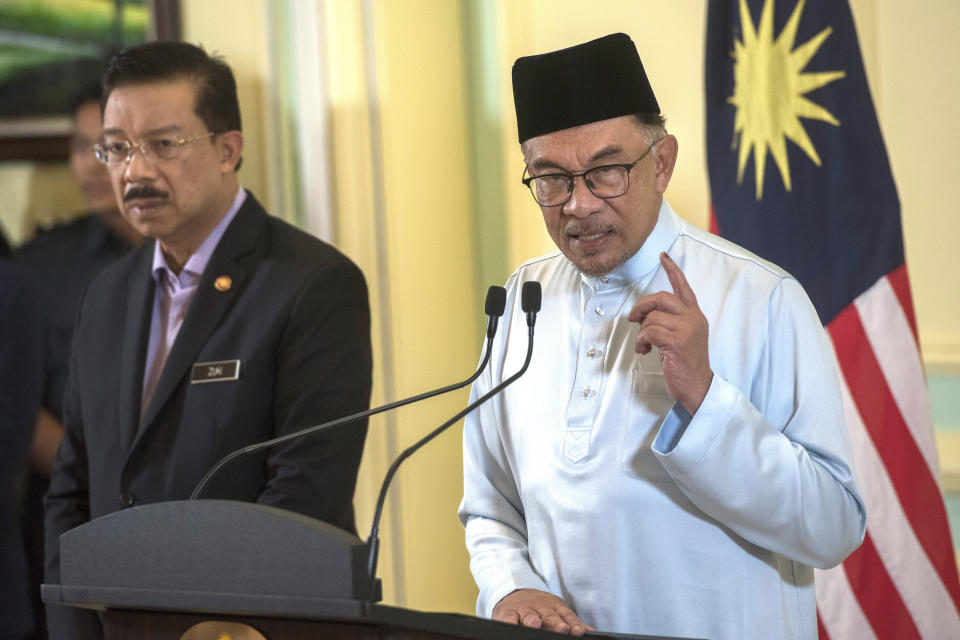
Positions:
(530, 298)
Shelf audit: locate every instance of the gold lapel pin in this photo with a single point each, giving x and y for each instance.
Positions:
(222, 283)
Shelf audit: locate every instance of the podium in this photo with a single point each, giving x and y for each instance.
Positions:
(155, 571)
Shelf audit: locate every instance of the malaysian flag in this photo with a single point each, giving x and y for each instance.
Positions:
(799, 175)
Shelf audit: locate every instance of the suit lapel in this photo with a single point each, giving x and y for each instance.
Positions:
(208, 305)
(140, 291)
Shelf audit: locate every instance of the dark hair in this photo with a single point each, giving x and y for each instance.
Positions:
(90, 92)
(216, 90)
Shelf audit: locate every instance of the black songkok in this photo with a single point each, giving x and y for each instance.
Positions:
(589, 82)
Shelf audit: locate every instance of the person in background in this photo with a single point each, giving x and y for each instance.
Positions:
(226, 327)
(675, 461)
(21, 382)
(63, 259)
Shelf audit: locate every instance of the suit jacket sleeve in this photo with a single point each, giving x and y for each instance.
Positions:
(323, 372)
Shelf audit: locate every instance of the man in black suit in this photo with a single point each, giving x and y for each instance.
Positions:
(21, 382)
(229, 328)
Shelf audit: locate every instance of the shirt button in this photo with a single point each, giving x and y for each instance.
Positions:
(599, 311)
(127, 499)
(593, 352)
(604, 279)
(587, 392)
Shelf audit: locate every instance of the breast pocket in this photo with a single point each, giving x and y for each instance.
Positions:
(238, 406)
(648, 403)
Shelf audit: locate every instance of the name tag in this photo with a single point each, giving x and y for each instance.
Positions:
(219, 371)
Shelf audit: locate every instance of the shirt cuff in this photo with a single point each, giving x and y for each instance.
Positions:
(684, 439)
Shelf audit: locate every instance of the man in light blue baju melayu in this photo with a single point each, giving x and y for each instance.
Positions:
(675, 462)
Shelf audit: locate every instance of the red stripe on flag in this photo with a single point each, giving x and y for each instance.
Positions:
(821, 630)
(714, 229)
(901, 287)
(878, 596)
(912, 479)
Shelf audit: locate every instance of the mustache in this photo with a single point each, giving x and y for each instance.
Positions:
(143, 192)
(580, 229)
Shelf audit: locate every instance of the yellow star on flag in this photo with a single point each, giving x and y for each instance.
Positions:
(769, 89)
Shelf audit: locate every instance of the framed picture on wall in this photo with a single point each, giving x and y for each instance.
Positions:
(50, 50)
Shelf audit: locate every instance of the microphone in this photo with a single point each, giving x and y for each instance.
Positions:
(493, 307)
(530, 298)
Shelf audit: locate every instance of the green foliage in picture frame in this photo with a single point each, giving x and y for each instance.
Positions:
(49, 49)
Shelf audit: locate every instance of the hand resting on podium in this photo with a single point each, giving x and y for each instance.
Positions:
(539, 610)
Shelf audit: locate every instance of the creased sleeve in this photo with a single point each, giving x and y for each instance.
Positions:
(492, 510)
(775, 465)
(324, 371)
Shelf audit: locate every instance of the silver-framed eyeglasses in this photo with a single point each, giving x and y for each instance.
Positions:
(118, 152)
(606, 181)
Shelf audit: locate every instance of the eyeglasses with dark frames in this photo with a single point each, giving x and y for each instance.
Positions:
(605, 182)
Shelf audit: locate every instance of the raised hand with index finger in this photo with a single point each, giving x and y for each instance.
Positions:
(674, 324)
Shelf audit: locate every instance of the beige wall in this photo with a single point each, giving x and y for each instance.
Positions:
(435, 328)
(36, 194)
(917, 85)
